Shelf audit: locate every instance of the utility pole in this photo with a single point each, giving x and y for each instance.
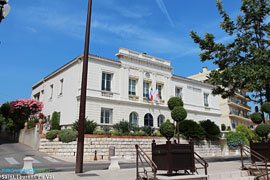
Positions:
(80, 142)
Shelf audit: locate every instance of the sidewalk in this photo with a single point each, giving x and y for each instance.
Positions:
(130, 174)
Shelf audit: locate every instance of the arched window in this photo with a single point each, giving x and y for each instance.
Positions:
(160, 120)
(148, 120)
(133, 118)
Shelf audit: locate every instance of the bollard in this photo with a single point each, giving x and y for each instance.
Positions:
(95, 158)
(28, 166)
(114, 163)
(111, 152)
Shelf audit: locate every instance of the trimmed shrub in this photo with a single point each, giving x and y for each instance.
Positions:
(89, 126)
(167, 129)
(191, 129)
(174, 102)
(256, 117)
(228, 128)
(158, 134)
(107, 130)
(249, 134)
(116, 133)
(99, 132)
(51, 135)
(266, 107)
(223, 127)
(211, 129)
(138, 133)
(178, 114)
(55, 121)
(2, 120)
(234, 139)
(148, 130)
(263, 130)
(123, 127)
(67, 135)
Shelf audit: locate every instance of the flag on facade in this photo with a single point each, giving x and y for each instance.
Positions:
(156, 96)
(151, 95)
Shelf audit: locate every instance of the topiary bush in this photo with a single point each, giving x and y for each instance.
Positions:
(223, 127)
(55, 121)
(179, 113)
(191, 129)
(249, 134)
(148, 130)
(263, 130)
(256, 117)
(123, 127)
(52, 134)
(167, 129)
(174, 102)
(99, 132)
(89, 126)
(67, 135)
(211, 129)
(235, 139)
(266, 107)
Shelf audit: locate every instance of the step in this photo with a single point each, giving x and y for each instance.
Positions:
(229, 175)
(180, 177)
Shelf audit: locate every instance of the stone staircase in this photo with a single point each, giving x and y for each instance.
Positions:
(235, 175)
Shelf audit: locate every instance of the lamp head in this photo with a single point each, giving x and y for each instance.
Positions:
(3, 2)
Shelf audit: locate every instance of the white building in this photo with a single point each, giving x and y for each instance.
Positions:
(117, 90)
(234, 110)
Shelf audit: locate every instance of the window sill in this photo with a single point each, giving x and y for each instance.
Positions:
(133, 97)
(107, 93)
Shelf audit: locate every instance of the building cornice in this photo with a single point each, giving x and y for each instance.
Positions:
(192, 80)
(70, 63)
(144, 57)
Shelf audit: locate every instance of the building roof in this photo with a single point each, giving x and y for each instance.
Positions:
(192, 80)
(70, 63)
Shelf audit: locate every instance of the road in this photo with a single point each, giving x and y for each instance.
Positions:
(12, 155)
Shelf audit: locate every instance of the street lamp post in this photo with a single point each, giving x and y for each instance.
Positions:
(80, 142)
(4, 9)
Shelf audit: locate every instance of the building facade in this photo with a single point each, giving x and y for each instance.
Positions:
(234, 110)
(119, 90)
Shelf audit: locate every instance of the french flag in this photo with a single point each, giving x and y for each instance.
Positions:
(151, 95)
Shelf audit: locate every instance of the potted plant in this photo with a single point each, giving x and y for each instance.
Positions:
(173, 157)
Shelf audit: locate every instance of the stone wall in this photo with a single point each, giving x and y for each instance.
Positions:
(124, 146)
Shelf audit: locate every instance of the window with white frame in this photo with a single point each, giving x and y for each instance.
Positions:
(106, 81)
(61, 86)
(206, 99)
(106, 116)
(146, 86)
(37, 96)
(132, 87)
(160, 120)
(159, 87)
(178, 92)
(51, 95)
(133, 118)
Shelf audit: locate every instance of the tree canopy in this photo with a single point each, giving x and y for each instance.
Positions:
(243, 63)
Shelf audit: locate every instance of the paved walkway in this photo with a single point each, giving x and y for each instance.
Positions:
(130, 174)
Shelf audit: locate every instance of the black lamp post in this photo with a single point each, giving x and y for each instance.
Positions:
(80, 141)
(4, 9)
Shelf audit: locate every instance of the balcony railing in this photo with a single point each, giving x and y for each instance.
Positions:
(240, 114)
(238, 102)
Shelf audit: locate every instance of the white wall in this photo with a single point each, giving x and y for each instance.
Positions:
(128, 65)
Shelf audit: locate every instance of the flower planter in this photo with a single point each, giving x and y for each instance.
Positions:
(173, 157)
(263, 148)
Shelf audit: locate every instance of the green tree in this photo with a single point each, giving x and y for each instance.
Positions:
(55, 121)
(167, 129)
(244, 62)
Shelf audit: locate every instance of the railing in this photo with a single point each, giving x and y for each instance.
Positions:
(143, 158)
(246, 150)
(200, 160)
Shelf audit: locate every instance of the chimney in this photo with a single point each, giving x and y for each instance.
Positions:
(205, 69)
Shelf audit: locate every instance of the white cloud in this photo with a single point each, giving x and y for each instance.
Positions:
(163, 9)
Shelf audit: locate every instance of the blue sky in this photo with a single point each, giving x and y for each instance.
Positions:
(39, 36)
